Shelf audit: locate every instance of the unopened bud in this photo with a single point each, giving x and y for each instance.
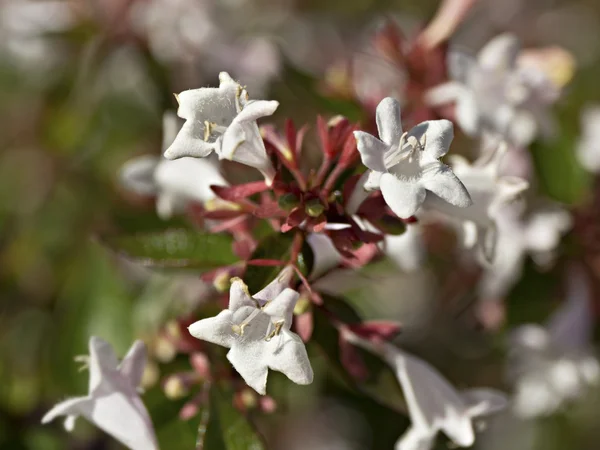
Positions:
(164, 350)
(175, 388)
(221, 282)
(392, 225)
(302, 305)
(314, 208)
(172, 330)
(248, 399)
(288, 201)
(150, 376)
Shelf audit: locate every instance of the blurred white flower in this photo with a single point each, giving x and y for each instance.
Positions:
(223, 120)
(435, 405)
(174, 183)
(496, 93)
(552, 365)
(489, 193)
(536, 233)
(113, 403)
(406, 250)
(325, 255)
(257, 331)
(405, 166)
(588, 146)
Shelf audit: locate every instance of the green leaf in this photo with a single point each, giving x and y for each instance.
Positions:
(176, 249)
(228, 428)
(276, 246)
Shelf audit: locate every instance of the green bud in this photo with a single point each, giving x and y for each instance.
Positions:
(288, 201)
(314, 208)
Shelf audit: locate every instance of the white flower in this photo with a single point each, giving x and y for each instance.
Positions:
(223, 120)
(325, 255)
(588, 147)
(405, 166)
(174, 183)
(496, 93)
(536, 233)
(113, 403)
(489, 193)
(406, 250)
(257, 331)
(435, 405)
(552, 365)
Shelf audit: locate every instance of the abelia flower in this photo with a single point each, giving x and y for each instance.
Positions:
(536, 233)
(489, 193)
(406, 166)
(113, 403)
(552, 365)
(588, 146)
(256, 329)
(496, 93)
(433, 403)
(223, 120)
(174, 183)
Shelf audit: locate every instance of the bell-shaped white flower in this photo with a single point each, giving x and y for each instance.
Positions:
(113, 403)
(588, 146)
(435, 405)
(489, 193)
(256, 329)
(405, 166)
(174, 183)
(223, 120)
(325, 255)
(536, 233)
(552, 365)
(495, 92)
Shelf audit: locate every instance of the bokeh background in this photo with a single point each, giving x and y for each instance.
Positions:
(83, 86)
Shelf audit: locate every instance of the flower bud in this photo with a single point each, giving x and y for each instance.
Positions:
(175, 387)
(314, 208)
(288, 201)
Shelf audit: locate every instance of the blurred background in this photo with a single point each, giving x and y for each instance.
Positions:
(83, 87)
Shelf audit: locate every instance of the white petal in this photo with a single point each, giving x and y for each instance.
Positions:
(373, 180)
(249, 357)
(189, 142)
(215, 329)
(438, 135)
(169, 204)
(170, 128)
(290, 358)
(372, 150)
(239, 295)
(276, 287)
(415, 439)
(389, 124)
(500, 53)
(406, 250)
(102, 360)
(326, 256)
(133, 364)
(404, 198)
(241, 142)
(467, 113)
(483, 402)
(256, 109)
(71, 407)
(459, 65)
(137, 175)
(444, 93)
(443, 183)
(282, 306)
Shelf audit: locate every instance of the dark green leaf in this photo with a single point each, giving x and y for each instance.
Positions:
(176, 249)
(228, 428)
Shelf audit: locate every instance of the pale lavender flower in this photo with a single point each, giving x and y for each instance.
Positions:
(113, 403)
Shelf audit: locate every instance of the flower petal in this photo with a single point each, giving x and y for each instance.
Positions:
(415, 439)
(276, 287)
(467, 113)
(443, 183)
(71, 407)
(372, 150)
(137, 175)
(282, 306)
(438, 135)
(290, 358)
(102, 360)
(133, 364)
(189, 142)
(500, 54)
(404, 198)
(389, 124)
(256, 109)
(215, 329)
(249, 357)
(483, 401)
